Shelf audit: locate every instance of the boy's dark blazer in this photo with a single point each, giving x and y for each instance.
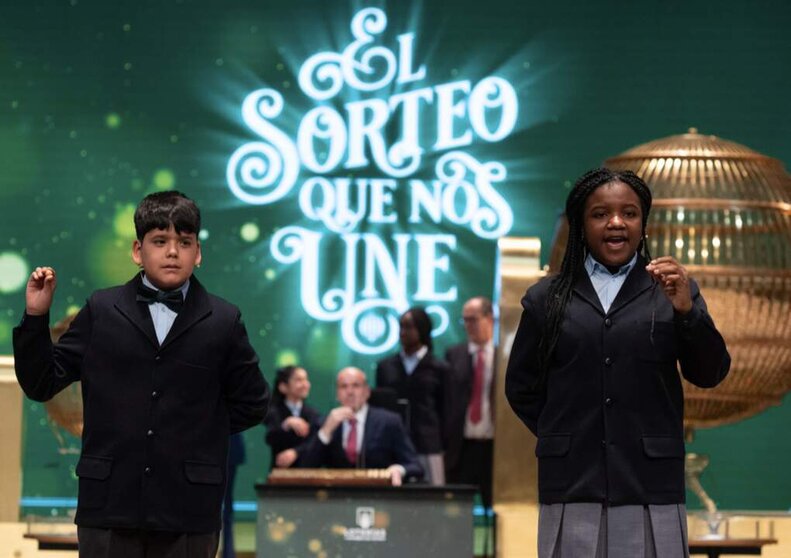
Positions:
(423, 389)
(385, 443)
(157, 419)
(281, 440)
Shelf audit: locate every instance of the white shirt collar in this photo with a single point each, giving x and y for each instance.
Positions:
(487, 347)
(593, 266)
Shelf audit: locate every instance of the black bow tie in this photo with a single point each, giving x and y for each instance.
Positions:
(172, 299)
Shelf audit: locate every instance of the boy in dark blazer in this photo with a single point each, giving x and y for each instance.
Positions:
(167, 373)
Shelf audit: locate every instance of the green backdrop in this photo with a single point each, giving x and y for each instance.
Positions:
(103, 102)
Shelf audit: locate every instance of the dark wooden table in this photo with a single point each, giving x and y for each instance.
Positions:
(714, 548)
(54, 542)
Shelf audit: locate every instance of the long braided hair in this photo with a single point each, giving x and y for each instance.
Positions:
(423, 325)
(560, 289)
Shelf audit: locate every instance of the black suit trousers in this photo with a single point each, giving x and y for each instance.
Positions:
(133, 543)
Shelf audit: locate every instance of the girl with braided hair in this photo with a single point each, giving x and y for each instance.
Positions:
(593, 373)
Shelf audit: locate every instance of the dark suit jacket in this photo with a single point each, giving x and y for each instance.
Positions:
(385, 443)
(457, 392)
(281, 440)
(157, 419)
(423, 389)
(609, 420)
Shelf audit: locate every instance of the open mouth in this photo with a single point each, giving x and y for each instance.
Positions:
(616, 242)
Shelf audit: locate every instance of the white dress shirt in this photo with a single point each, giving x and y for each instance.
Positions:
(484, 429)
(162, 316)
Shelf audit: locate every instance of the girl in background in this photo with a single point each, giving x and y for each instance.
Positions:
(290, 422)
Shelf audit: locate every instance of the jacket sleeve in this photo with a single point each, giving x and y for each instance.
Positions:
(522, 372)
(313, 453)
(380, 374)
(702, 352)
(276, 436)
(246, 391)
(404, 450)
(43, 369)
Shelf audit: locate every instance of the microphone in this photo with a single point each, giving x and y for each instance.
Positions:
(361, 453)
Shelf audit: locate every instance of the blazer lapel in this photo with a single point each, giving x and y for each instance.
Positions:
(196, 308)
(637, 282)
(584, 288)
(136, 312)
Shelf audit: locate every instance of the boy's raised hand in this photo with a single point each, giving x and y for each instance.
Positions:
(38, 294)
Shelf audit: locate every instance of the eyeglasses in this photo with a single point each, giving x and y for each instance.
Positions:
(473, 319)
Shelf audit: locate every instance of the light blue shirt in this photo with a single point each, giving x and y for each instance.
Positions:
(605, 283)
(162, 316)
(294, 408)
(410, 362)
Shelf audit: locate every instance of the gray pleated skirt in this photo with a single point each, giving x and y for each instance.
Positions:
(595, 531)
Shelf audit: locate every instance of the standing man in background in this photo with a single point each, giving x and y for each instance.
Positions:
(469, 401)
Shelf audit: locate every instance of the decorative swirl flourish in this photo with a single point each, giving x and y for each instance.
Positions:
(258, 172)
(494, 220)
(292, 244)
(329, 78)
(387, 327)
(444, 319)
(364, 67)
(288, 244)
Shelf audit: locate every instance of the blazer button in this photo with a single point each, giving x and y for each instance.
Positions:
(154, 394)
(604, 443)
(147, 471)
(150, 433)
(608, 361)
(157, 357)
(608, 322)
(608, 401)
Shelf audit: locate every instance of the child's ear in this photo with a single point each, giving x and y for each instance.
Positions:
(198, 256)
(136, 253)
(281, 388)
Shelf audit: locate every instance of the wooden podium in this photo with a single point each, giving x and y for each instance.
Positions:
(329, 477)
(355, 512)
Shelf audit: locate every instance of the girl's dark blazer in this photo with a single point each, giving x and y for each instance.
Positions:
(157, 418)
(609, 420)
(423, 388)
(280, 439)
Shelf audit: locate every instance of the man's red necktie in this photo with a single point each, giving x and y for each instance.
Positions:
(476, 400)
(351, 442)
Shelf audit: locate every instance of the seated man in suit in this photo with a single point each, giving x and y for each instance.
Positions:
(356, 435)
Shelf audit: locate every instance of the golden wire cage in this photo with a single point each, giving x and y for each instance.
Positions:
(724, 211)
(65, 409)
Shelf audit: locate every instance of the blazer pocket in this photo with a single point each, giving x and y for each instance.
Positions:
(657, 343)
(663, 447)
(663, 468)
(201, 496)
(553, 445)
(552, 452)
(198, 472)
(93, 472)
